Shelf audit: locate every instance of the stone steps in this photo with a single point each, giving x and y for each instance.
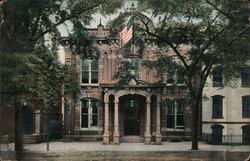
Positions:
(132, 139)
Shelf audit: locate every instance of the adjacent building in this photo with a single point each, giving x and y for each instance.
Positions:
(226, 109)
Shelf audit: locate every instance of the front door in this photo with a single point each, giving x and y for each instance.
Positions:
(132, 118)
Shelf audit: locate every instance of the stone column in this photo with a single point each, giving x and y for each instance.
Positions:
(116, 136)
(106, 124)
(158, 121)
(37, 121)
(148, 122)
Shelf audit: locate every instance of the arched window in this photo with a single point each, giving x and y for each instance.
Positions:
(246, 106)
(90, 71)
(89, 113)
(175, 114)
(217, 106)
(246, 134)
(245, 76)
(217, 77)
(217, 133)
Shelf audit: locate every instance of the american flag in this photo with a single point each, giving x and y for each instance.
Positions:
(126, 34)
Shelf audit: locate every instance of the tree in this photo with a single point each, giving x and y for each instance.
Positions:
(202, 34)
(24, 28)
(210, 32)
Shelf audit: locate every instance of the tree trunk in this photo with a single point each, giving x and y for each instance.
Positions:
(18, 128)
(194, 126)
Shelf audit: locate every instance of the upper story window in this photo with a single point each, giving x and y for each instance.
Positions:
(245, 76)
(89, 115)
(246, 106)
(132, 65)
(217, 106)
(175, 77)
(90, 71)
(217, 77)
(175, 114)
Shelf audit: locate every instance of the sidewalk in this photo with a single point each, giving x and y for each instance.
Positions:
(98, 146)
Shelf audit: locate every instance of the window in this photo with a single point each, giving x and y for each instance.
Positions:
(180, 79)
(217, 106)
(246, 134)
(246, 106)
(170, 77)
(89, 115)
(132, 65)
(217, 77)
(175, 115)
(217, 134)
(175, 77)
(90, 71)
(245, 76)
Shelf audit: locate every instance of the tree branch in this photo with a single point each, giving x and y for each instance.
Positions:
(71, 16)
(168, 42)
(206, 46)
(219, 10)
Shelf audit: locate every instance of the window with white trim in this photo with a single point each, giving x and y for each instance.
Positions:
(217, 106)
(175, 115)
(89, 113)
(246, 106)
(90, 71)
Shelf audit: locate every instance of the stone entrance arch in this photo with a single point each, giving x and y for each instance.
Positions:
(115, 133)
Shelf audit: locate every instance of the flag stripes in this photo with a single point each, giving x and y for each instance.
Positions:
(125, 35)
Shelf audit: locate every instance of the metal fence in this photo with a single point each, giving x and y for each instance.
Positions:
(226, 139)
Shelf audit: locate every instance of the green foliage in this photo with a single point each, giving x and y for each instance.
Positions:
(24, 22)
(27, 65)
(206, 30)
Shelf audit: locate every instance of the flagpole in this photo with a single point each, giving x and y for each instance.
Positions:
(133, 31)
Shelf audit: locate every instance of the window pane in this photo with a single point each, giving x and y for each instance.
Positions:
(180, 108)
(94, 71)
(246, 106)
(217, 106)
(84, 106)
(246, 134)
(85, 65)
(85, 120)
(180, 120)
(94, 107)
(217, 77)
(217, 135)
(94, 77)
(180, 79)
(170, 121)
(245, 76)
(170, 77)
(171, 108)
(85, 77)
(94, 65)
(94, 119)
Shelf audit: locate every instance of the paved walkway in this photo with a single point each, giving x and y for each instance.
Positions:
(98, 146)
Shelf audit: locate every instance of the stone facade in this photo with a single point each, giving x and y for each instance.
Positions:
(230, 124)
(139, 108)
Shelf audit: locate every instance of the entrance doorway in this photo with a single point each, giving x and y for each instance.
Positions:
(133, 114)
(27, 120)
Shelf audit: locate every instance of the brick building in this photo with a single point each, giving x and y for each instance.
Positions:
(145, 108)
